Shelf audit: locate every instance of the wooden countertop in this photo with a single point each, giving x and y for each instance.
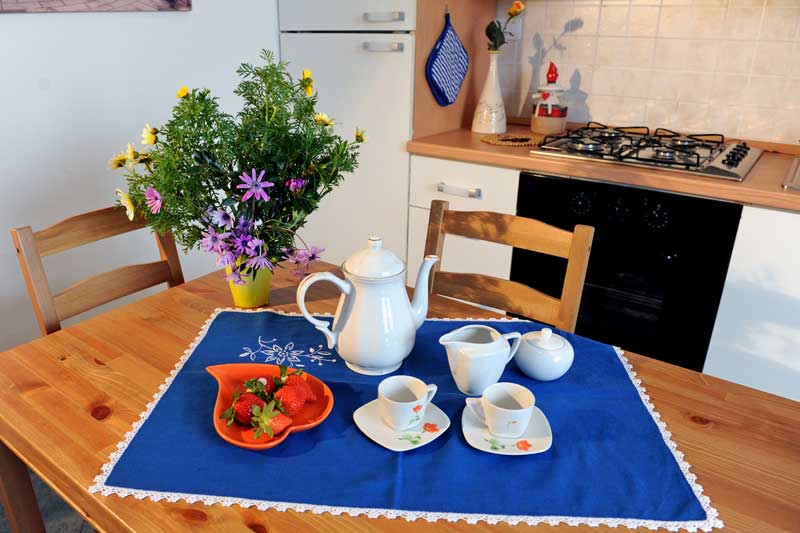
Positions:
(67, 399)
(762, 186)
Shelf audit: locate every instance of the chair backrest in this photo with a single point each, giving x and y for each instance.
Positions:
(76, 231)
(519, 232)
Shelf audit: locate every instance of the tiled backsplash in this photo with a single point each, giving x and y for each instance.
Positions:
(728, 66)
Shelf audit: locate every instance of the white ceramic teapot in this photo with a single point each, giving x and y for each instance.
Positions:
(375, 324)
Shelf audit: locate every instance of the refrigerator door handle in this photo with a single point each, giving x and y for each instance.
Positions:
(385, 16)
(374, 46)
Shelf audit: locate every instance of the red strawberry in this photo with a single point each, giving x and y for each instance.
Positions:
(291, 399)
(242, 408)
(267, 420)
(269, 384)
(296, 380)
(261, 387)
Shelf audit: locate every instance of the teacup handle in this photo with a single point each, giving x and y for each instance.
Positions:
(476, 406)
(432, 388)
(517, 336)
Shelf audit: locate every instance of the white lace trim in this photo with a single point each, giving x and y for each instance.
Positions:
(709, 523)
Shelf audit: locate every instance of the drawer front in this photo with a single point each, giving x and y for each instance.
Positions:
(352, 15)
(468, 187)
(460, 254)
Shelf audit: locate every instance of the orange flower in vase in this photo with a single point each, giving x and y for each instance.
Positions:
(524, 445)
(430, 428)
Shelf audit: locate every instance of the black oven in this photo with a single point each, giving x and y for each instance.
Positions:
(656, 269)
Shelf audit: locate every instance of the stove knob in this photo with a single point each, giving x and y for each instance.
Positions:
(581, 204)
(657, 218)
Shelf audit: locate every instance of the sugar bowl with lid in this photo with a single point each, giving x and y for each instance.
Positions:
(544, 355)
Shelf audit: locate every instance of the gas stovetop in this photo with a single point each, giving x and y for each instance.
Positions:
(705, 154)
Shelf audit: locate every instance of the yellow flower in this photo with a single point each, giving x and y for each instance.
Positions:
(515, 9)
(130, 153)
(322, 118)
(309, 85)
(182, 92)
(361, 137)
(148, 135)
(125, 201)
(118, 161)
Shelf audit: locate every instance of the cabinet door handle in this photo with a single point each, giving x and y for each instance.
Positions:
(456, 190)
(385, 16)
(372, 46)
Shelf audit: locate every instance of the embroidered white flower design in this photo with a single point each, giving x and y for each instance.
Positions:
(287, 354)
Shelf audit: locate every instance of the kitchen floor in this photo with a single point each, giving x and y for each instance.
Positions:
(58, 516)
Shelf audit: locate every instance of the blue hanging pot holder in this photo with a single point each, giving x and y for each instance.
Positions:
(447, 65)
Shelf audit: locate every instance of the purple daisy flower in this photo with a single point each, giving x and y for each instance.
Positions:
(244, 224)
(260, 261)
(296, 184)
(254, 247)
(239, 244)
(255, 187)
(153, 198)
(213, 241)
(226, 258)
(222, 218)
(236, 277)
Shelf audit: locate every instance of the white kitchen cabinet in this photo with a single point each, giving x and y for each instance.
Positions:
(353, 15)
(498, 193)
(369, 87)
(756, 338)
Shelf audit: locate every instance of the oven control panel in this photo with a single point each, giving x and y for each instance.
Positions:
(735, 161)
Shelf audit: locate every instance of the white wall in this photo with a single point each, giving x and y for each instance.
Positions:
(727, 66)
(74, 89)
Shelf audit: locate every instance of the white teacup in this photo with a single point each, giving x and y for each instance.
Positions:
(403, 400)
(505, 409)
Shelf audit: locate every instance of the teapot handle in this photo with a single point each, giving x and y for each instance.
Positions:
(321, 325)
(517, 336)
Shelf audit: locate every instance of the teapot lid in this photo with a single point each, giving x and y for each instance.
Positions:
(374, 261)
(545, 339)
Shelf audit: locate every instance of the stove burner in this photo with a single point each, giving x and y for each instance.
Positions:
(606, 133)
(585, 144)
(664, 153)
(683, 143)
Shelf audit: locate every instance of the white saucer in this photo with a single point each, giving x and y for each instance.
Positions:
(537, 437)
(369, 421)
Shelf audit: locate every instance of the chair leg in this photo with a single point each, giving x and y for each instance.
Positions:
(16, 494)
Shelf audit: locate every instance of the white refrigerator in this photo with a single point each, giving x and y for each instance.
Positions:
(361, 54)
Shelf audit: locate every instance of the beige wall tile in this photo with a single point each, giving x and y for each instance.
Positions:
(771, 58)
(780, 23)
(734, 57)
(676, 21)
(643, 20)
(613, 20)
(743, 23)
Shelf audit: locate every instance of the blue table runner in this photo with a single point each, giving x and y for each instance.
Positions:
(612, 461)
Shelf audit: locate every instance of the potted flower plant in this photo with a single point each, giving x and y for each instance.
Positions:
(240, 186)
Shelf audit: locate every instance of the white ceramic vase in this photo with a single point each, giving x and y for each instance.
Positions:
(490, 114)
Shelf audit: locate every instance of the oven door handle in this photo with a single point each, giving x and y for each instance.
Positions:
(458, 190)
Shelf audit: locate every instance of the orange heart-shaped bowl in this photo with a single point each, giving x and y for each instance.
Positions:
(232, 376)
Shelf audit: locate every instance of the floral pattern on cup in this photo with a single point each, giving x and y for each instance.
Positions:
(495, 444)
(524, 445)
(412, 438)
(430, 428)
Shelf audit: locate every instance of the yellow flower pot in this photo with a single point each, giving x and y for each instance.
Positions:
(252, 293)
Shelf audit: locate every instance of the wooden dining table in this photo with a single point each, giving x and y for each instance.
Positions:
(67, 399)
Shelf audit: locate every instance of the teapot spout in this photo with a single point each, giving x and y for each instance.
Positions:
(419, 305)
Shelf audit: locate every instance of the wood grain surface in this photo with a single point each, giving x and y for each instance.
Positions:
(66, 400)
(763, 185)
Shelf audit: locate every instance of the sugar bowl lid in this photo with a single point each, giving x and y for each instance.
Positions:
(545, 340)
(373, 261)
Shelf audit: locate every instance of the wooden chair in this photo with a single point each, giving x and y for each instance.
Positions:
(76, 231)
(519, 232)
(16, 491)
